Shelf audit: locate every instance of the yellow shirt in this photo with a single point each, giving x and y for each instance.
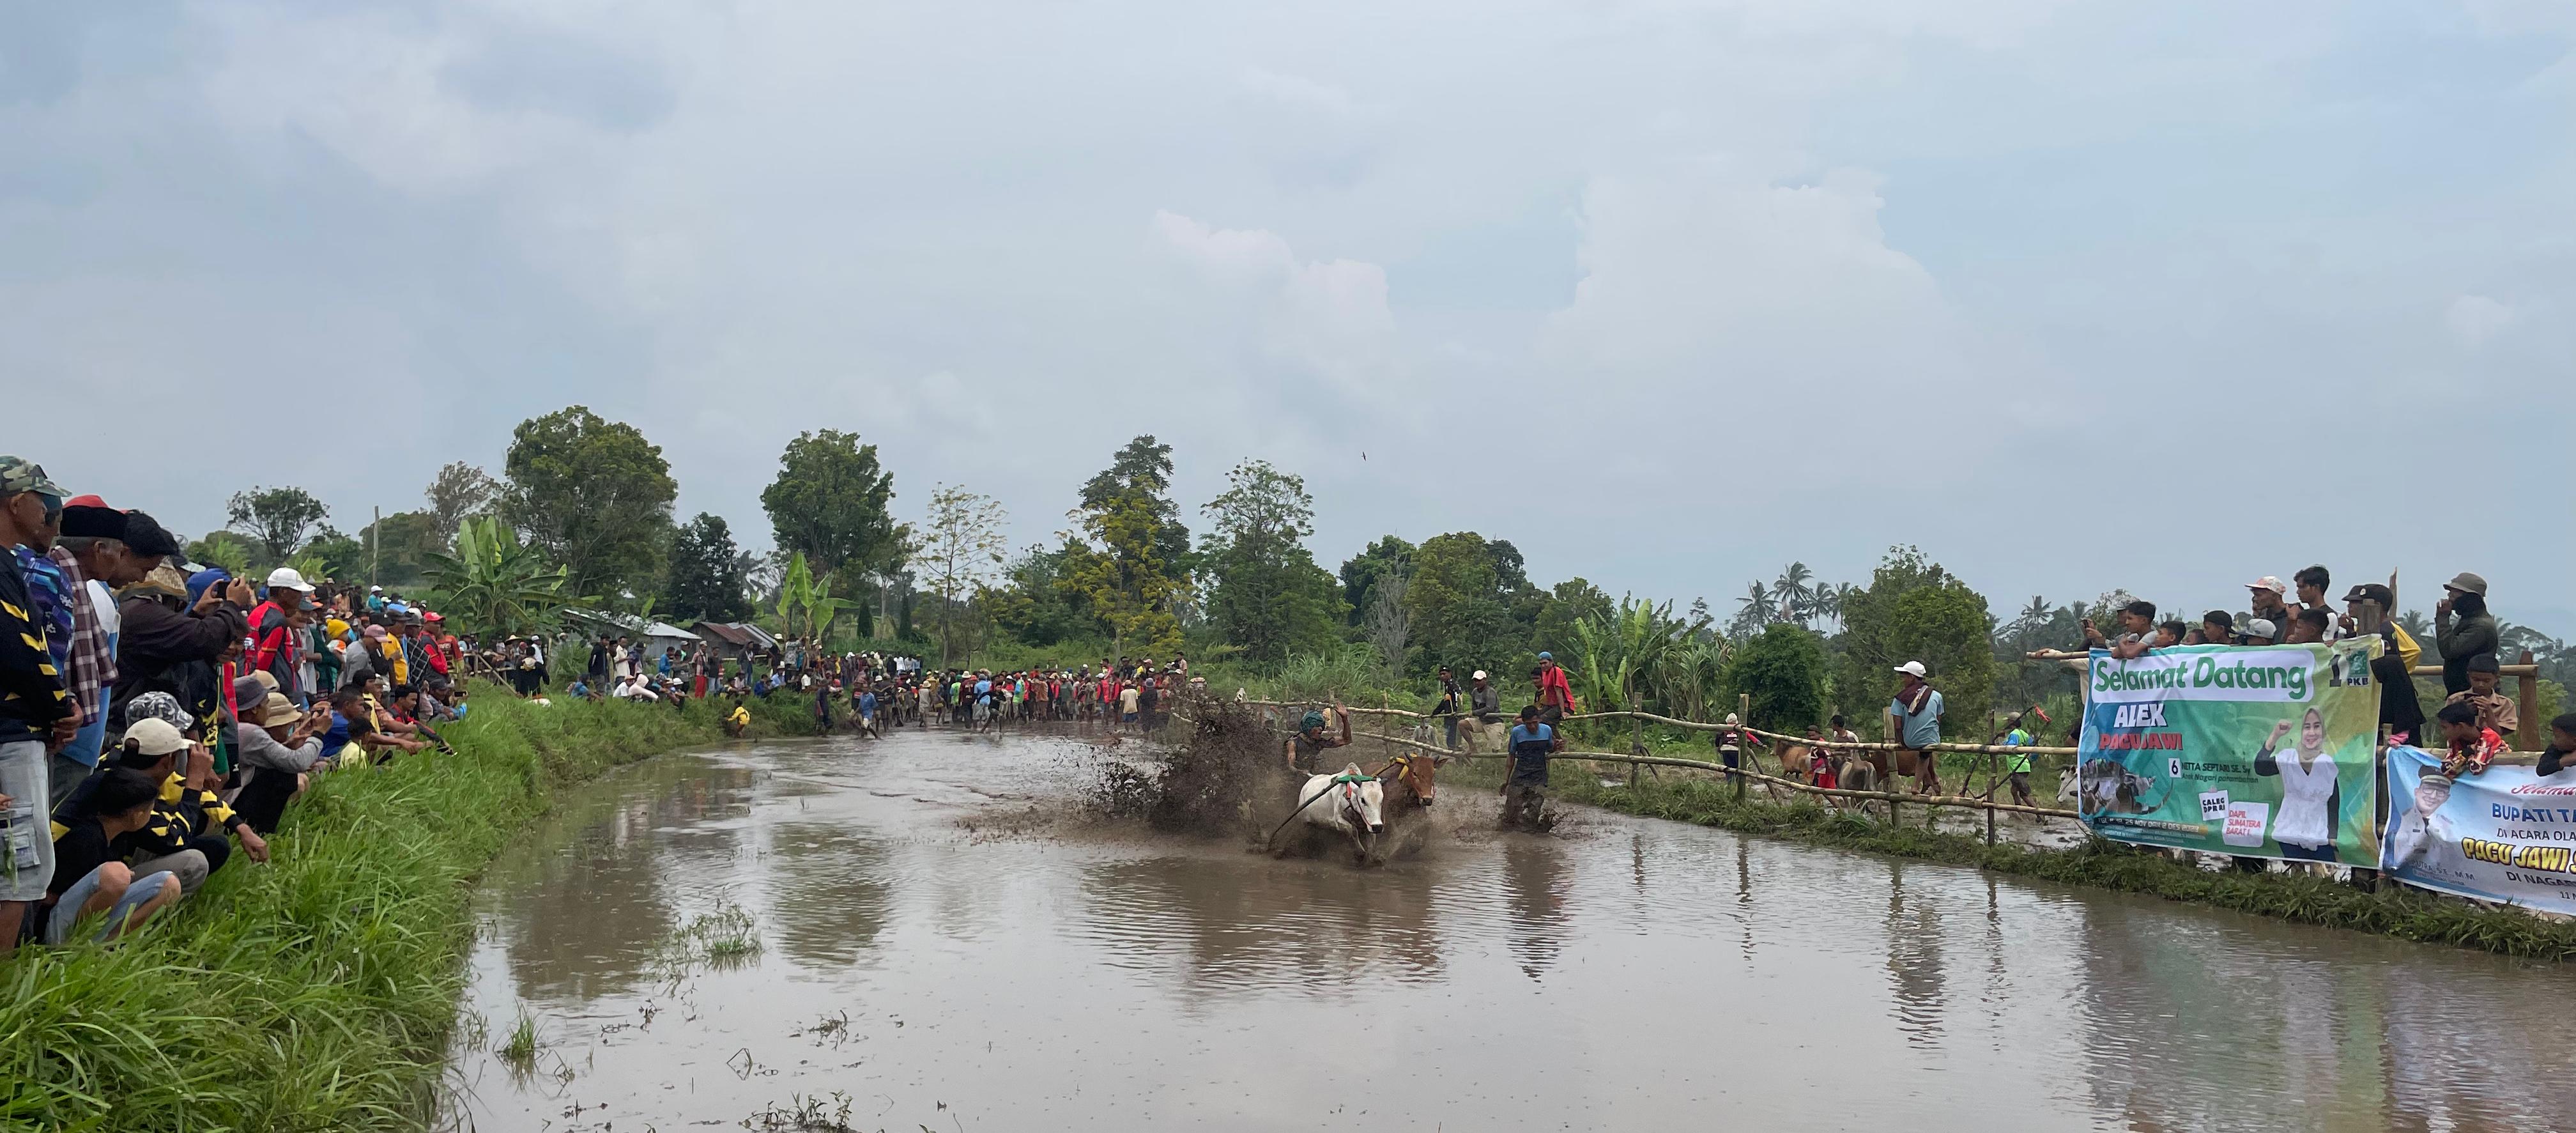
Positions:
(741, 716)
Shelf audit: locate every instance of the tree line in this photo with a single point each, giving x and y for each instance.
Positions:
(582, 514)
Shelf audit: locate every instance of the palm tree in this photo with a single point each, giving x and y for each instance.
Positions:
(1753, 611)
(2034, 614)
(1795, 592)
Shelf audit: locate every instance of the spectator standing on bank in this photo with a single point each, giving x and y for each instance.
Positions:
(2463, 628)
(36, 711)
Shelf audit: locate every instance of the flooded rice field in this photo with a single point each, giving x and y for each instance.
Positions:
(925, 933)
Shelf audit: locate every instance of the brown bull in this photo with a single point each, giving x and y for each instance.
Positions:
(1415, 770)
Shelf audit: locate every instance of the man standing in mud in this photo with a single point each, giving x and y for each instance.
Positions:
(1525, 793)
(1305, 749)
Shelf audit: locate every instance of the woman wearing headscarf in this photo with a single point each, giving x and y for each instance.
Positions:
(2310, 801)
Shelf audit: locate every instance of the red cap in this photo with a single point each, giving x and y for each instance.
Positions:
(86, 501)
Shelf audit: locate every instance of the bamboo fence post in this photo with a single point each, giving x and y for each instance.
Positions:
(2528, 722)
(1992, 777)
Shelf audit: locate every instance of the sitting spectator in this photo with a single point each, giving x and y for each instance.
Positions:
(2470, 746)
(2562, 743)
(2217, 627)
(279, 746)
(2137, 631)
(2472, 633)
(88, 878)
(2259, 631)
(581, 689)
(2308, 627)
(185, 832)
(2495, 710)
(2170, 634)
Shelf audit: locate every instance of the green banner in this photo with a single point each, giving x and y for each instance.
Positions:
(2255, 751)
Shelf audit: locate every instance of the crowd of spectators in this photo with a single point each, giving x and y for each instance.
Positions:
(156, 717)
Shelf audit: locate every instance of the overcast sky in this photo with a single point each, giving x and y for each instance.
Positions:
(2074, 295)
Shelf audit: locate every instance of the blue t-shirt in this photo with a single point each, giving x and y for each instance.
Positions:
(867, 704)
(1530, 747)
(337, 737)
(1919, 729)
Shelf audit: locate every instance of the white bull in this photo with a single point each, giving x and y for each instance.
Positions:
(1350, 803)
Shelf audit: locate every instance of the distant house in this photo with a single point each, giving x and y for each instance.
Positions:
(735, 639)
(654, 636)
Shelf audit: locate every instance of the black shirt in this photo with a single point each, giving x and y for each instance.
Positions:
(83, 846)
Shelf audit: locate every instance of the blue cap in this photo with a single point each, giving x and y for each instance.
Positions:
(211, 576)
(1544, 655)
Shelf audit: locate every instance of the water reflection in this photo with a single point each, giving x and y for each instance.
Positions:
(2329, 1030)
(1534, 875)
(826, 891)
(1239, 928)
(1914, 961)
(584, 918)
(1006, 969)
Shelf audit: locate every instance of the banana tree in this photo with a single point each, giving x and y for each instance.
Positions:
(806, 607)
(1620, 651)
(493, 585)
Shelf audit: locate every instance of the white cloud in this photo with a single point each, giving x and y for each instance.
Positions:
(2475, 319)
(1328, 318)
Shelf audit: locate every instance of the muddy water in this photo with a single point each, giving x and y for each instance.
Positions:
(1001, 972)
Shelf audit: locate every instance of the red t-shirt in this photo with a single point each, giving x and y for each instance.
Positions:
(1551, 679)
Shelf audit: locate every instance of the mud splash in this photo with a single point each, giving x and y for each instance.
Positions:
(1230, 780)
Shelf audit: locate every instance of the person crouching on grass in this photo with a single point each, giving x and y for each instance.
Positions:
(88, 879)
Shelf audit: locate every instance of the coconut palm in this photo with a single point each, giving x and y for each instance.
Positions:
(1795, 591)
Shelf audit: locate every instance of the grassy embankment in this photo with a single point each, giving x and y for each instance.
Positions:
(316, 992)
(2394, 910)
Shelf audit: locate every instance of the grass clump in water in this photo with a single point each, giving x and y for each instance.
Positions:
(521, 1049)
(316, 992)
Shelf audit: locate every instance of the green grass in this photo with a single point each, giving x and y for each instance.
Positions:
(2393, 910)
(319, 991)
(521, 1050)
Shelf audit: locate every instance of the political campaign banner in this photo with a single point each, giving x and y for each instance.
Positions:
(2261, 751)
(2504, 834)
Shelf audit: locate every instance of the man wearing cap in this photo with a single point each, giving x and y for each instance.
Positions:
(1917, 709)
(1555, 696)
(275, 646)
(1447, 710)
(2462, 628)
(2269, 594)
(94, 551)
(170, 639)
(36, 710)
(279, 744)
(2423, 828)
(2495, 710)
(1486, 702)
(2393, 670)
(2260, 631)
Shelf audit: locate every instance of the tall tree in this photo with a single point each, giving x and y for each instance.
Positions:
(960, 552)
(1783, 669)
(1914, 610)
(395, 550)
(460, 490)
(1120, 571)
(1144, 469)
(1360, 573)
(830, 500)
(1458, 605)
(593, 495)
(1269, 596)
(277, 519)
(706, 579)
